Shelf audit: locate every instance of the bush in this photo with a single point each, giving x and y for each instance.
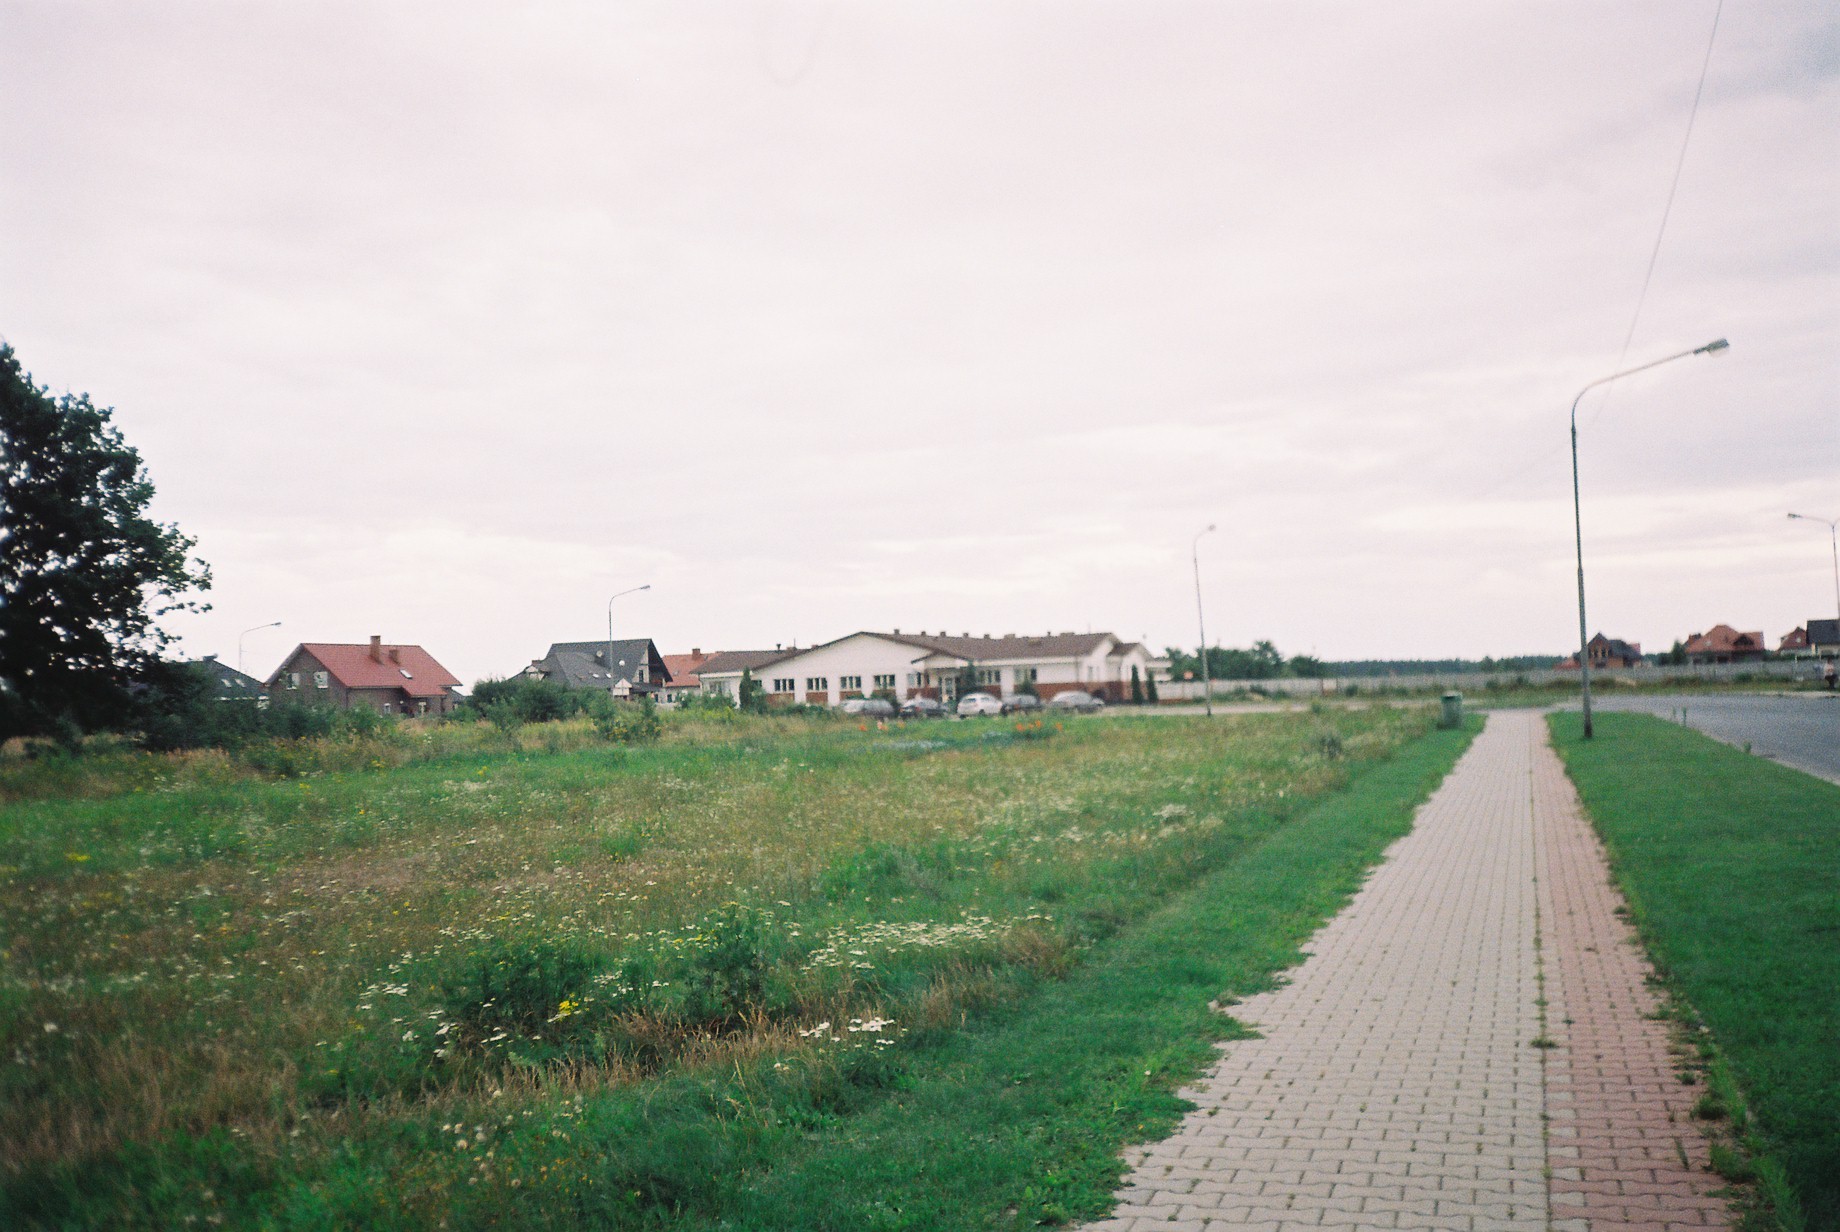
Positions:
(523, 699)
(627, 722)
(519, 998)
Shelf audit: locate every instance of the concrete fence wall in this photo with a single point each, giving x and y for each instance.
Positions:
(1788, 670)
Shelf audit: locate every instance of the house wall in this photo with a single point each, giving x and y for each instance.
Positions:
(919, 673)
(864, 656)
(305, 664)
(384, 701)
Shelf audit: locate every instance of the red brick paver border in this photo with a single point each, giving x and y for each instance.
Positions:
(1624, 1151)
(1398, 1083)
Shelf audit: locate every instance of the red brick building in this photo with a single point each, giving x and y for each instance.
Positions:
(387, 679)
(1724, 644)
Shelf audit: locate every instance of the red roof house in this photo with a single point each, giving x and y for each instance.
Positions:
(1724, 644)
(387, 679)
(682, 670)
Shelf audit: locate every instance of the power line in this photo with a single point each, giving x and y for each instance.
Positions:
(1680, 163)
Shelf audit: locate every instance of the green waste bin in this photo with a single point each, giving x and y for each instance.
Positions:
(1452, 715)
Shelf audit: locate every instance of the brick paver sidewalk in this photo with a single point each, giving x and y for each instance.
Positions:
(1402, 1079)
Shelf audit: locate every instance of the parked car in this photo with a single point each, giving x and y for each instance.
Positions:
(870, 707)
(1076, 700)
(922, 708)
(1021, 703)
(978, 703)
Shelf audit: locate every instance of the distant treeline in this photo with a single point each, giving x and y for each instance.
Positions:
(1264, 661)
(1428, 667)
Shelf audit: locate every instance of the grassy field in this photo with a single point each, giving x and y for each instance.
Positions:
(528, 979)
(1732, 869)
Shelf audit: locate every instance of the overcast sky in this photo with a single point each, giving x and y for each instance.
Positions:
(445, 322)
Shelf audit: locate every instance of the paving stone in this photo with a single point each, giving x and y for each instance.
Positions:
(1396, 1083)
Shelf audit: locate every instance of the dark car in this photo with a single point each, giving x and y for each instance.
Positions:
(922, 708)
(1021, 703)
(1076, 700)
(870, 707)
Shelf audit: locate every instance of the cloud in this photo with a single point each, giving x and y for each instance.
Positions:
(823, 317)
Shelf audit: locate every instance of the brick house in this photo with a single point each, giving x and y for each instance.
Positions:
(1724, 644)
(1607, 652)
(347, 675)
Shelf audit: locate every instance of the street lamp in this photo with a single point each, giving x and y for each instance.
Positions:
(276, 624)
(612, 680)
(1584, 646)
(1207, 683)
(1833, 539)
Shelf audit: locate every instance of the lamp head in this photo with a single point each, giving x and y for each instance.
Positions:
(1713, 347)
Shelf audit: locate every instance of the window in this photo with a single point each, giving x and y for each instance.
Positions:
(887, 682)
(850, 682)
(1026, 675)
(817, 684)
(293, 680)
(913, 680)
(990, 675)
(405, 672)
(321, 679)
(784, 684)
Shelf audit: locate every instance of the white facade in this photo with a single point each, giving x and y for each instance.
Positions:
(865, 663)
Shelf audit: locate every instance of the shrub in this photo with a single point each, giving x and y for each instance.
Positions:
(520, 998)
(627, 723)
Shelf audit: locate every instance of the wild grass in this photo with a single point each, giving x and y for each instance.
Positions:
(1729, 864)
(395, 990)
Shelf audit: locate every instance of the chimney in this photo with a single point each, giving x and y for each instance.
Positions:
(396, 655)
(897, 632)
(696, 650)
(376, 649)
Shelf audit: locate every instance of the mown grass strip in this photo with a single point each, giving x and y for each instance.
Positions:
(1731, 865)
(1019, 1121)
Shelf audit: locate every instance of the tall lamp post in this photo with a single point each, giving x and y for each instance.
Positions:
(276, 624)
(1833, 539)
(613, 681)
(1207, 682)
(1584, 645)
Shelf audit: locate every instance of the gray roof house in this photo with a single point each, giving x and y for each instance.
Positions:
(228, 684)
(637, 669)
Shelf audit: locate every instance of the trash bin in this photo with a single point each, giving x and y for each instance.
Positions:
(1453, 711)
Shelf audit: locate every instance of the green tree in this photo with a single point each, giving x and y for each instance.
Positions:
(1150, 688)
(1308, 667)
(1137, 686)
(85, 574)
(753, 695)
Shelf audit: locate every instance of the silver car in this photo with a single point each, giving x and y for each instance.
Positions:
(978, 703)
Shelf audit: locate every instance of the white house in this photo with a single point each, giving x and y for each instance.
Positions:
(928, 664)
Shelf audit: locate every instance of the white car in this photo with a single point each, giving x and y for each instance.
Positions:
(978, 703)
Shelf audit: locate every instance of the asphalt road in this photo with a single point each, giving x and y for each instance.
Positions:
(1796, 729)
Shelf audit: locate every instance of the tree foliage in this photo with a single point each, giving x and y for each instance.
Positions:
(85, 573)
(753, 697)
